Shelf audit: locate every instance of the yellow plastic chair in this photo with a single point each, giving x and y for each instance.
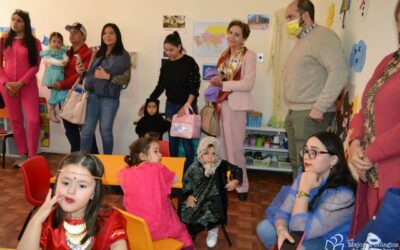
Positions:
(139, 235)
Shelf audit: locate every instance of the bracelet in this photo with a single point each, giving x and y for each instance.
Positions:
(279, 228)
(303, 195)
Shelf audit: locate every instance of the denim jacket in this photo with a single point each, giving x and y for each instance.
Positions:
(114, 65)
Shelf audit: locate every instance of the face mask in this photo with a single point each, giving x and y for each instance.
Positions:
(293, 27)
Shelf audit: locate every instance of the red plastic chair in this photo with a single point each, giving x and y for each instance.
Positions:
(164, 148)
(36, 175)
(4, 135)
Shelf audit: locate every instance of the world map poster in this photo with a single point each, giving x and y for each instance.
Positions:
(209, 38)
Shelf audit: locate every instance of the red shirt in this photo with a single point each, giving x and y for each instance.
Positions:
(112, 229)
(70, 74)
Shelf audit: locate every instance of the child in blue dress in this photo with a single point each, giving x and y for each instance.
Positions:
(55, 57)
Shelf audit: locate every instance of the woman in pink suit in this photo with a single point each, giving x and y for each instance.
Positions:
(375, 147)
(19, 52)
(237, 72)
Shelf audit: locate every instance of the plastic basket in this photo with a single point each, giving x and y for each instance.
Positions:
(262, 163)
(254, 119)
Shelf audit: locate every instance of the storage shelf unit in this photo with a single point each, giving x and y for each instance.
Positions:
(273, 166)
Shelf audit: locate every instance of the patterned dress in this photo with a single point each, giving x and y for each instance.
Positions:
(211, 195)
(369, 122)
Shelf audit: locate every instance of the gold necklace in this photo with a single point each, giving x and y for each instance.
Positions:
(74, 235)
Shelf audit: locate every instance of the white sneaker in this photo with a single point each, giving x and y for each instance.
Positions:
(212, 237)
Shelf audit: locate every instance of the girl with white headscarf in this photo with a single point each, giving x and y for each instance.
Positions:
(205, 185)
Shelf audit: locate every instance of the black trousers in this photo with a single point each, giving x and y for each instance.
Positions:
(73, 133)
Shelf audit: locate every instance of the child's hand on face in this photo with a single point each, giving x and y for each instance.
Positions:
(231, 185)
(44, 211)
(309, 180)
(191, 201)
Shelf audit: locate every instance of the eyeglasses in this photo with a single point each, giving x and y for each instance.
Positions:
(312, 153)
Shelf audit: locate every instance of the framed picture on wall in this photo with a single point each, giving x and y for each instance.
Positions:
(174, 22)
(258, 21)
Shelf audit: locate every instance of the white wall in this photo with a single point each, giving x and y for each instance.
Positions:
(378, 30)
(141, 26)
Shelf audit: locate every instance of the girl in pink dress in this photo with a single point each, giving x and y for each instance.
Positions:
(147, 186)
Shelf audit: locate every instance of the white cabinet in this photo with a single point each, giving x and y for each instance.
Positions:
(274, 157)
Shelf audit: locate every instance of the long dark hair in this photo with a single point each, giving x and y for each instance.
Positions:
(340, 175)
(96, 168)
(141, 145)
(175, 39)
(119, 46)
(29, 39)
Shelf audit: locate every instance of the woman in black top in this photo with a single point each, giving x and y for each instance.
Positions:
(180, 78)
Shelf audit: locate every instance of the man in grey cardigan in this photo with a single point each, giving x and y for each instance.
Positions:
(314, 75)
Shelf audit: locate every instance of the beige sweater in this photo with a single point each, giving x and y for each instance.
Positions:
(315, 71)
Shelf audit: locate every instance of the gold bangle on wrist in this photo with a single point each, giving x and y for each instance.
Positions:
(303, 195)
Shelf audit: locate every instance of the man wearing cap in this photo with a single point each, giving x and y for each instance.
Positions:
(77, 37)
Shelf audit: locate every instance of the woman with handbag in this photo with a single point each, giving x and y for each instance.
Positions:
(236, 78)
(103, 99)
(180, 78)
(19, 63)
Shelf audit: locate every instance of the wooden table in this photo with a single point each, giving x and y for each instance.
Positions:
(114, 163)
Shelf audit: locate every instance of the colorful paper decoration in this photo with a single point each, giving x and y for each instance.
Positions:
(45, 41)
(343, 9)
(357, 56)
(331, 15)
(363, 9)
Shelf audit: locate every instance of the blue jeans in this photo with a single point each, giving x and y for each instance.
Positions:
(170, 110)
(103, 110)
(266, 232)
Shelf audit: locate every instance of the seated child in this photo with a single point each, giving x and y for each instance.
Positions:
(147, 187)
(319, 205)
(152, 121)
(56, 59)
(72, 217)
(205, 185)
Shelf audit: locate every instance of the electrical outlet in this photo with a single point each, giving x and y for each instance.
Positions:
(260, 57)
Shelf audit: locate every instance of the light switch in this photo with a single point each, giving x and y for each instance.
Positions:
(260, 57)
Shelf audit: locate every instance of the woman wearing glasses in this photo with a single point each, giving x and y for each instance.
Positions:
(319, 204)
(19, 50)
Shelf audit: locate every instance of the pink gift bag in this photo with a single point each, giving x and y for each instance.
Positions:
(186, 126)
